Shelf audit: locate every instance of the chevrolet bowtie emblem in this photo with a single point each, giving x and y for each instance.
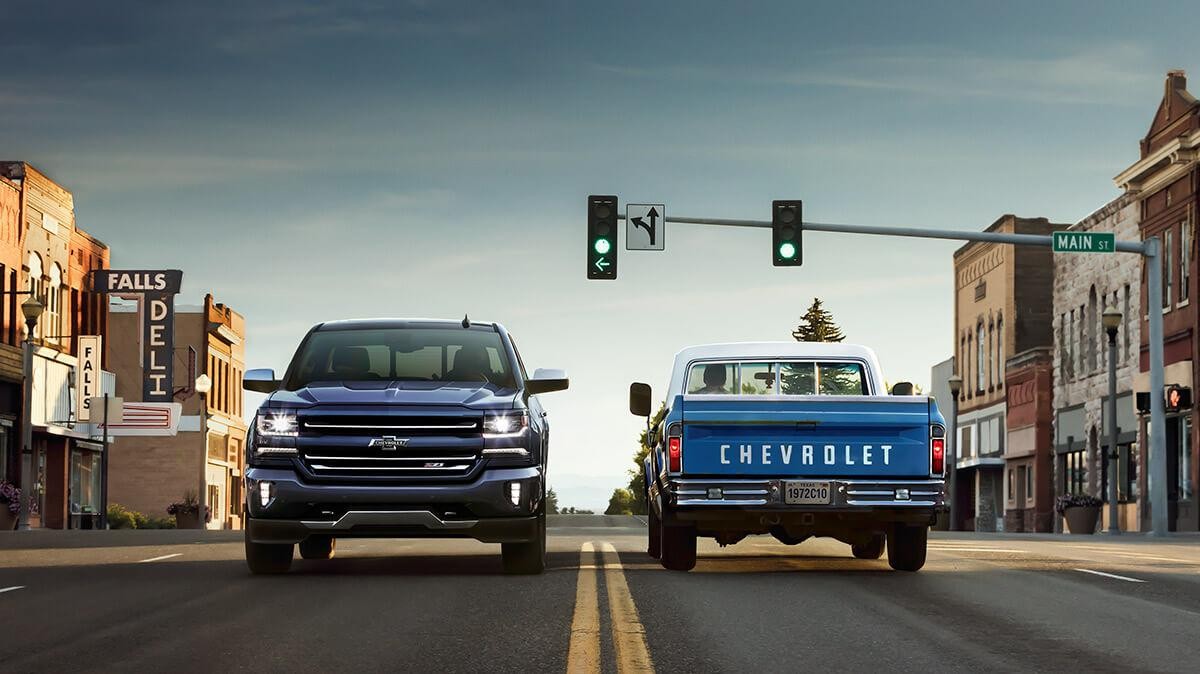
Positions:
(389, 443)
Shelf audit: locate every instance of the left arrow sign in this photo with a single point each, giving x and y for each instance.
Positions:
(602, 264)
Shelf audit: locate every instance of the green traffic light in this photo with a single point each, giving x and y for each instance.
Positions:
(602, 246)
(787, 250)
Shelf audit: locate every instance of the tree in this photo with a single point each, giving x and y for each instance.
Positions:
(620, 503)
(551, 502)
(816, 325)
(637, 478)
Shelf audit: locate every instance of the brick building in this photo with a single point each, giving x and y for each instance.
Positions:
(205, 458)
(52, 259)
(1164, 184)
(1084, 286)
(1001, 308)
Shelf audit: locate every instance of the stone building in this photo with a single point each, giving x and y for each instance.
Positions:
(205, 459)
(1165, 186)
(1084, 286)
(1001, 309)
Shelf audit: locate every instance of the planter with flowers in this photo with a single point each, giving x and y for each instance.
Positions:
(1081, 511)
(10, 505)
(188, 512)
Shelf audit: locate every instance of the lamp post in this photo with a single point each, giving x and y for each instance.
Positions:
(1112, 320)
(203, 385)
(32, 309)
(955, 382)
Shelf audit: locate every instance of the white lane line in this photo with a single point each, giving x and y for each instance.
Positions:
(1110, 575)
(10, 589)
(159, 559)
(958, 549)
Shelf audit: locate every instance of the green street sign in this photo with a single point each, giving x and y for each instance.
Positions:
(1085, 242)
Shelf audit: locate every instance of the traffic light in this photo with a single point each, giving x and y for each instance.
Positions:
(602, 237)
(1179, 398)
(787, 226)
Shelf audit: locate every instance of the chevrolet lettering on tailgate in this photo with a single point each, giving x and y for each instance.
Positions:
(794, 440)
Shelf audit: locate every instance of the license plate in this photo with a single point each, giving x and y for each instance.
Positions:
(807, 493)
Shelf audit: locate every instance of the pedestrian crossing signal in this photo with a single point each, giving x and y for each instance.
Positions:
(787, 225)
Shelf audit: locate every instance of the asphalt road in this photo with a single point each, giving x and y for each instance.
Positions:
(183, 601)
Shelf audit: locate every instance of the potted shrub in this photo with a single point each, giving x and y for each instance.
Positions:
(10, 505)
(1081, 511)
(187, 512)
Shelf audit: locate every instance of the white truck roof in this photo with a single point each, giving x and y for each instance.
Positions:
(772, 351)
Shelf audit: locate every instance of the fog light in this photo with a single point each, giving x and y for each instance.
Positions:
(902, 495)
(715, 493)
(514, 493)
(264, 493)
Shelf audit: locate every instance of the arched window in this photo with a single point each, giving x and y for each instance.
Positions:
(992, 364)
(980, 358)
(1089, 334)
(1000, 350)
(36, 285)
(54, 302)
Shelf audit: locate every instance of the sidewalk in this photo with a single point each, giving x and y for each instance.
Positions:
(41, 539)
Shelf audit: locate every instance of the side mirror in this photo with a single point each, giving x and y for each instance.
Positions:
(260, 381)
(639, 399)
(546, 381)
(903, 388)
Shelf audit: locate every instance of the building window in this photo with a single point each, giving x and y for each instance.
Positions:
(1000, 351)
(1089, 330)
(1029, 484)
(1168, 271)
(215, 510)
(1184, 452)
(37, 286)
(1185, 254)
(54, 296)
(980, 358)
(1128, 318)
(1075, 475)
(1012, 485)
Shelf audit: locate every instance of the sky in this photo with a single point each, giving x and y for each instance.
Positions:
(309, 161)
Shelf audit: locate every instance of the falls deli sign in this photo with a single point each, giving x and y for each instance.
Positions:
(155, 292)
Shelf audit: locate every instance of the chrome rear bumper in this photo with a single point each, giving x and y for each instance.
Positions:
(847, 493)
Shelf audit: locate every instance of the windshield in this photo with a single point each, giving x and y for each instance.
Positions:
(403, 354)
(792, 378)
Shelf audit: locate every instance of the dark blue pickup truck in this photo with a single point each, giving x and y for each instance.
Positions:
(794, 440)
(399, 428)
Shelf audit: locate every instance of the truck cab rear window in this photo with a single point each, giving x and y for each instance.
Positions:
(790, 378)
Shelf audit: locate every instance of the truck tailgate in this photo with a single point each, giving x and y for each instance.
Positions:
(820, 436)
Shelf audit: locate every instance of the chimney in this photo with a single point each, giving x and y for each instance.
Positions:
(1176, 81)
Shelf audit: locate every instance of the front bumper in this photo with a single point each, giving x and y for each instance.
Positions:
(847, 494)
(482, 509)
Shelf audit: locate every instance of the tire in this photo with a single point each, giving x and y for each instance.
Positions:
(529, 557)
(870, 550)
(268, 558)
(906, 546)
(318, 547)
(678, 552)
(653, 533)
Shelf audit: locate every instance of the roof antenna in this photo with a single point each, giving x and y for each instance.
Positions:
(466, 321)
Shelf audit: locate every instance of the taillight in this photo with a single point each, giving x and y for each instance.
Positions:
(937, 456)
(674, 454)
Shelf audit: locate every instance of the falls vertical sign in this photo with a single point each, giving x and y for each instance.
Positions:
(87, 376)
(155, 291)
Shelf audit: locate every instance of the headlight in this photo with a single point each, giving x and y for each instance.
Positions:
(277, 425)
(505, 425)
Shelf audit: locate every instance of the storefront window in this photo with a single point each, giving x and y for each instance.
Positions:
(85, 482)
(1075, 475)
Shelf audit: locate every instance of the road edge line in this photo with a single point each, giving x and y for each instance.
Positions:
(1111, 575)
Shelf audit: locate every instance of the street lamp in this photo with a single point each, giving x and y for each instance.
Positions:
(1111, 319)
(32, 309)
(203, 385)
(955, 383)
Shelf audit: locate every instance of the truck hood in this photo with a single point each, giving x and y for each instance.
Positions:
(397, 393)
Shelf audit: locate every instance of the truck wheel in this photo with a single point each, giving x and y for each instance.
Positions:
(653, 533)
(528, 557)
(318, 547)
(906, 547)
(870, 550)
(678, 547)
(267, 558)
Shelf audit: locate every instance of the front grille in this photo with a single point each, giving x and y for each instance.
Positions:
(389, 444)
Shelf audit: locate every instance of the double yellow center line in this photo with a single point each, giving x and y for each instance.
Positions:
(629, 637)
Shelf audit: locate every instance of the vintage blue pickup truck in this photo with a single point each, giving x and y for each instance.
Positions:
(794, 440)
